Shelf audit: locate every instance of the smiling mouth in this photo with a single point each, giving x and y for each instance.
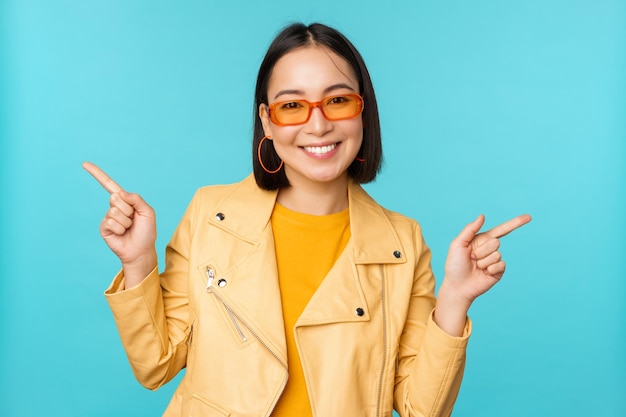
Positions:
(320, 150)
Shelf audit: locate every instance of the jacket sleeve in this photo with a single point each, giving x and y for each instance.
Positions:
(430, 362)
(153, 317)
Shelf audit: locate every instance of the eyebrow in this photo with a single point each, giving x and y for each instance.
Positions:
(326, 90)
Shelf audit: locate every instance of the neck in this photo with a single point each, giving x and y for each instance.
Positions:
(316, 199)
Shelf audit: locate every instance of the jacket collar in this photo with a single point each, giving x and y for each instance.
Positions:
(248, 209)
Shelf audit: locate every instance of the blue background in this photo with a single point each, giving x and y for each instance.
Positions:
(486, 107)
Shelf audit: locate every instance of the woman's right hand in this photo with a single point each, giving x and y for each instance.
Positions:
(128, 228)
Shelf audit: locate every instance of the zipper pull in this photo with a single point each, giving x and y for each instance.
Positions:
(210, 273)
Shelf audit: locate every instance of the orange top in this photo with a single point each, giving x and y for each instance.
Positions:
(307, 247)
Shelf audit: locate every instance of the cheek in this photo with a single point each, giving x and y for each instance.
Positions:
(356, 130)
(284, 136)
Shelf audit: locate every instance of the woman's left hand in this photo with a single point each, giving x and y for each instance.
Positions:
(474, 263)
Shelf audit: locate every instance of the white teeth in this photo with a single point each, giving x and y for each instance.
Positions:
(319, 150)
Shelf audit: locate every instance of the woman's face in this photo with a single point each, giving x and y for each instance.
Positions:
(318, 151)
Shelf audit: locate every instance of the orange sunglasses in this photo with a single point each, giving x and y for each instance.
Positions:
(297, 112)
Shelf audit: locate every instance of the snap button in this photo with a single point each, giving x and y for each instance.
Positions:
(220, 216)
(397, 253)
(360, 312)
(221, 283)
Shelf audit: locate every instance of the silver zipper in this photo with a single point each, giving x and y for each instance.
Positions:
(284, 365)
(234, 320)
(210, 272)
(382, 369)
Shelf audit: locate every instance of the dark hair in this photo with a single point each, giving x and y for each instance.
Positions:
(295, 36)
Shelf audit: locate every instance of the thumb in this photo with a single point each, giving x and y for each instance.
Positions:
(138, 203)
(467, 234)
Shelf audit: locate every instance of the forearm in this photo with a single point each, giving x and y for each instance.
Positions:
(135, 272)
(155, 348)
(451, 311)
(429, 376)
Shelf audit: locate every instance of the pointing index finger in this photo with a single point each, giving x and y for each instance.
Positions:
(507, 227)
(100, 176)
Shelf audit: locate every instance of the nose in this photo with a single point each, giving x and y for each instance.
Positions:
(318, 124)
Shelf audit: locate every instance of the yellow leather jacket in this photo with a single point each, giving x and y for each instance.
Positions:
(366, 339)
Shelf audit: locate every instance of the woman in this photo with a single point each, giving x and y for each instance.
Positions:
(293, 292)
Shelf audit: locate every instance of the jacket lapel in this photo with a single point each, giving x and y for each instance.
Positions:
(373, 241)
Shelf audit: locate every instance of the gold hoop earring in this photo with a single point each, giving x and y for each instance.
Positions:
(261, 160)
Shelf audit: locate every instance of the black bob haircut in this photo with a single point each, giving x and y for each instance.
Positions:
(297, 36)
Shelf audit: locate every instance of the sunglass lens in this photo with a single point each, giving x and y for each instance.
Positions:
(293, 112)
(341, 107)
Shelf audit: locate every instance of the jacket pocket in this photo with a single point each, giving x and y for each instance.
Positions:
(203, 408)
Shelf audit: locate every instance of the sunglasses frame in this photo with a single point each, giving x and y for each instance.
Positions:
(312, 105)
